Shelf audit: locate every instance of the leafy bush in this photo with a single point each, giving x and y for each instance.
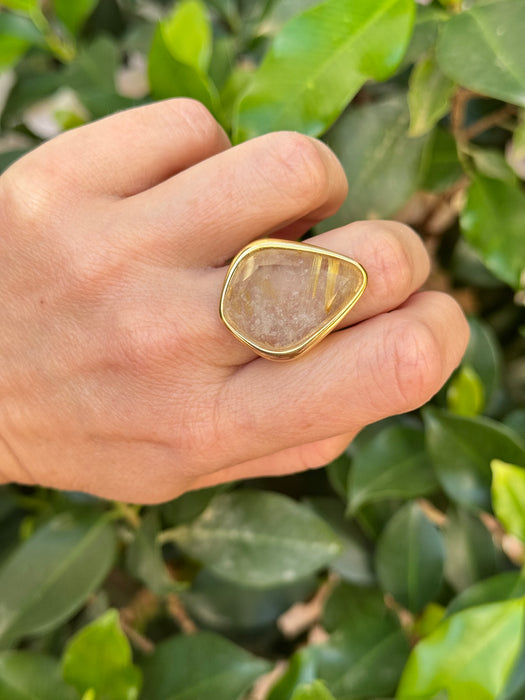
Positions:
(398, 570)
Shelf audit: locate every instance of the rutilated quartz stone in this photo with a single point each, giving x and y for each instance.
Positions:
(280, 297)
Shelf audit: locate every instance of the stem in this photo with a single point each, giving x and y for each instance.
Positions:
(128, 513)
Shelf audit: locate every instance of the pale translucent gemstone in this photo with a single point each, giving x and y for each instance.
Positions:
(279, 298)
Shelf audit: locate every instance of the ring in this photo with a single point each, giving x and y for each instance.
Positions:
(281, 298)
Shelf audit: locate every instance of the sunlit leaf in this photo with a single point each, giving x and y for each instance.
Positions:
(508, 496)
(429, 95)
(319, 61)
(74, 14)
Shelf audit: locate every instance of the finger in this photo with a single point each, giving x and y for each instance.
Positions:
(289, 461)
(392, 254)
(386, 365)
(241, 194)
(130, 151)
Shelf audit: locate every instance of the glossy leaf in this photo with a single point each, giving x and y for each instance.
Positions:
(465, 394)
(17, 34)
(443, 168)
(257, 538)
(26, 675)
(393, 465)
(429, 95)
(319, 61)
(508, 496)
(202, 666)
(470, 655)
(409, 558)
(49, 577)
(187, 34)
(505, 586)
(98, 658)
(484, 355)
(313, 691)
(493, 222)
(301, 671)
(471, 554)
(462, 448)
(383, 165)
(483, 50)
(74, 14)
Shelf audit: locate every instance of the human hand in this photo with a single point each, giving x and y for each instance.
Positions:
(117, 376)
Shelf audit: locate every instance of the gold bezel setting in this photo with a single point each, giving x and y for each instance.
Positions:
(315, 337)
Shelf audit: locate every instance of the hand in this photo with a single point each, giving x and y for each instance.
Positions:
(117, 376)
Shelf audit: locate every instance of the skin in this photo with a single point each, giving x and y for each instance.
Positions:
(117, 377)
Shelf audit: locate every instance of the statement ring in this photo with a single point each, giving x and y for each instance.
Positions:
(281, 298)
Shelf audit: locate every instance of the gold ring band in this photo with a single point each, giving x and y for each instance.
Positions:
(281, 298)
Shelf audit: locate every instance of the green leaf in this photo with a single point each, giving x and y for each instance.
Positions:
(424, 37)
(508, 496)
(443, 168)
(319, 61)
(225, 607)
(73, 15)
(354, 607)
(144, 557)
(98, 658)
(25, 675)
(313, 691)
(17, 34)
(259, 539)
(410, 557)
(471, 552)
(202, 666)
(187, 34)
(465, 393)
(429, 95)
(483, 50)
(484, 355)
(470, 655)
(22, 5)
(354, 563)
(393, 465)
(49, 577)
(169, 77)
(493, 222)
(505, 586)
(462, 449)
(382, 164)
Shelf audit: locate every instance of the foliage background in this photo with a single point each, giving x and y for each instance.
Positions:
(398, 570)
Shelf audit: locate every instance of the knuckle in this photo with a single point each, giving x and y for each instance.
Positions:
(393, 265)
(414, 356)
(198, 119)
(305, 171)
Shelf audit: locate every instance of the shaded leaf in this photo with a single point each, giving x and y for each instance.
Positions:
(429, 95)
(493, 222)
(382, 164)
(443, 168)
(483, 50)
(301, 670)
(26, 675)
(470, 655)
(354, 564)
(471, 552)
(202, 666)
(393, 465)
(353, 607)
(260, 539)
(98, 658)
(508, 496)
(144, 557)
(49, 576)
(462, 448)
(319, 61)
(409, 558)
(484, 355)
